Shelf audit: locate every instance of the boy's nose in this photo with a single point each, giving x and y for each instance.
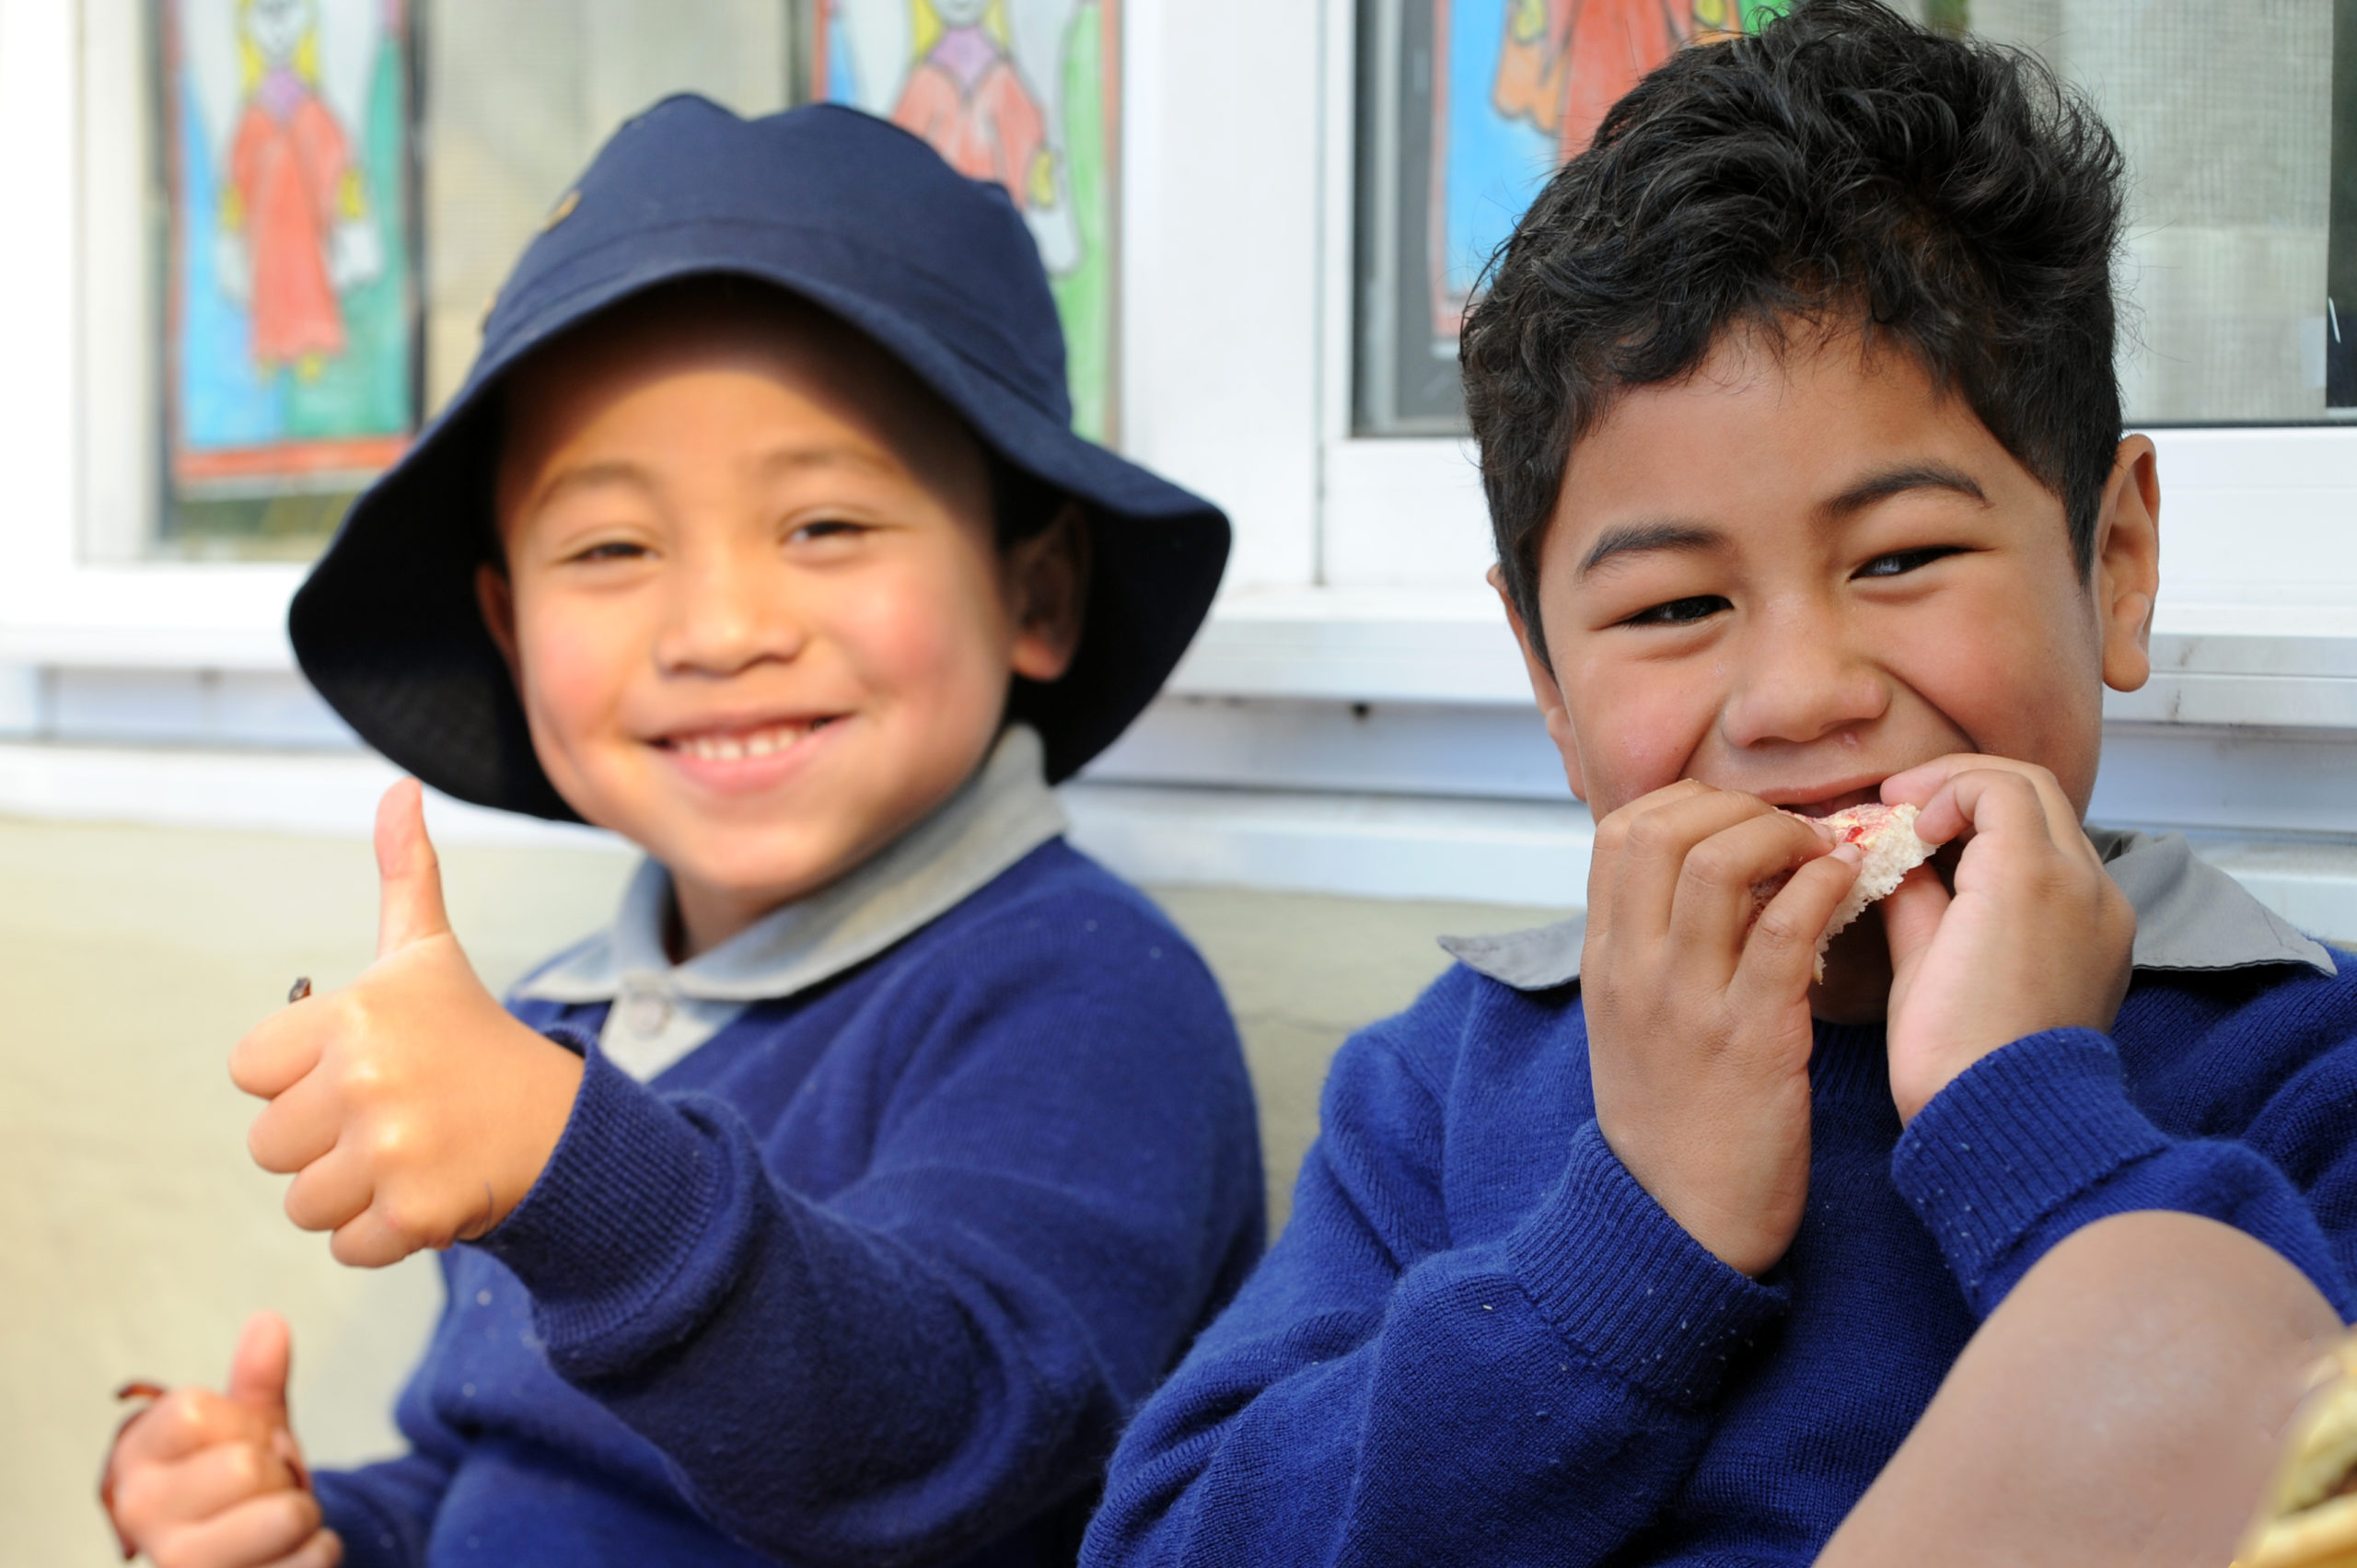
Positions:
(1798, 681)
(727, 612)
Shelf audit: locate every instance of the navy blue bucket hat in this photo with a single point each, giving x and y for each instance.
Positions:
(853, 216)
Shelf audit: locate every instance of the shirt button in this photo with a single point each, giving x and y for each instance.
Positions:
(646, 1012)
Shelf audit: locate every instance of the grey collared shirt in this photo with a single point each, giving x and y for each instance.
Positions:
(2190, 915)
(662, 1011)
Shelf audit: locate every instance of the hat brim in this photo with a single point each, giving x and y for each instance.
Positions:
(387, 629)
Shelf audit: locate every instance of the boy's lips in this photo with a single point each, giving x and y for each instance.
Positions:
(1827, 805)
(744, 757)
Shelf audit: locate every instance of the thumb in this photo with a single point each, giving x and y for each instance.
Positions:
(1911, 914)
(258, 1370)
(412, 877)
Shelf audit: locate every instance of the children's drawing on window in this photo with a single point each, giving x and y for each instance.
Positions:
(1021, 92)
(1520, 87)
(293, 348)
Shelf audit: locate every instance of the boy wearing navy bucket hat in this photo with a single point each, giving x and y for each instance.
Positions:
(838, 1202)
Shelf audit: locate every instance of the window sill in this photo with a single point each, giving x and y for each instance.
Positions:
(2271, 666)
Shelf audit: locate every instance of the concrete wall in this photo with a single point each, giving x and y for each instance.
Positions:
(131, 960)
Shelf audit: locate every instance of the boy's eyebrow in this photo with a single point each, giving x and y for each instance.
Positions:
(620, 470)
(1896, 480)
(1632, 538)
(823, 454)
(588, 476)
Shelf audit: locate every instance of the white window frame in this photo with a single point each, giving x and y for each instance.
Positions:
(1357, 570)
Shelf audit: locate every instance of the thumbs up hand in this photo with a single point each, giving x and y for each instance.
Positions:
(216, 1481)
(412, 1110)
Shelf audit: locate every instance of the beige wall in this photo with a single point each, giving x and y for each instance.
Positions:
(130, 959)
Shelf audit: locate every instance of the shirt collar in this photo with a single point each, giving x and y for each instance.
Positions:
(2190, 915)
(662, 1010)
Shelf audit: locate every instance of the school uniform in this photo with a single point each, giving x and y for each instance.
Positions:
(869, 1228)
(1481, 1341)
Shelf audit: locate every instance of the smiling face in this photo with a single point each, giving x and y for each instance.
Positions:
(752, 600)
(1796, 574)
(276, 26)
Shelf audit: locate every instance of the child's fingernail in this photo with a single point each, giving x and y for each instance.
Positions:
(1849, 854)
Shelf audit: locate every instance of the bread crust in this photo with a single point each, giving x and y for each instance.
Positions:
(1884, 836)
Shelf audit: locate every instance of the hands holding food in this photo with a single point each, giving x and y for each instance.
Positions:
(2036, 935)
(412, 1110)
(1709, 915)
(200, 1480)
(1697, 1014)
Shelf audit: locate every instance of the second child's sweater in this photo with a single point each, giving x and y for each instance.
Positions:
(1481, 1341)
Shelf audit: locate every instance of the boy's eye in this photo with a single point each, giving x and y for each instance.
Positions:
(1899, 563)
(834, 528)
(1680, 611)
(612, 549)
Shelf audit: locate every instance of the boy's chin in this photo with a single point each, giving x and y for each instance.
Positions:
(1856, 987)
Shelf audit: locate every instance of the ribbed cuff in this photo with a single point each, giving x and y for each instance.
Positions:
(2013, 1138)
(621, 1207)
(370, 1539)
(1628, 1288)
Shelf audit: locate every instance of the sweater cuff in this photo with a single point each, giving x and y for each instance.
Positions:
(1628, 1288)
(2013, 1138)
(626, 1201)
(370, 1539)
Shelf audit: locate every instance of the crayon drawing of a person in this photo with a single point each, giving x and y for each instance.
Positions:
(965, 97)
(293, 215)
(1564, 62)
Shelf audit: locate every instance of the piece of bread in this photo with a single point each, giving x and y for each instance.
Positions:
(1887, 835)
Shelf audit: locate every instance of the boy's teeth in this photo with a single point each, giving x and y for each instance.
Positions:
(736, 747)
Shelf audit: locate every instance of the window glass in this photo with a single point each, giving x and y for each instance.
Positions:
(290, 274)
(345, 184)
(2227, 114)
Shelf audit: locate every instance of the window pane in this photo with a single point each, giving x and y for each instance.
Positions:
(2227, 114)
(289, 275)
(347, 182)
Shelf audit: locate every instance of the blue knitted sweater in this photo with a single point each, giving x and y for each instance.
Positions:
(1479, 1340)
(873, 1276)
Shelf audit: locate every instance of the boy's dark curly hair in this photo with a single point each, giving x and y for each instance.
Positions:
(1843, 165)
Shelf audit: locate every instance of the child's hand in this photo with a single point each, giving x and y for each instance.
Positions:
(1698, 1019)
(2036, 936)
(213, 1480)
(417, 1110)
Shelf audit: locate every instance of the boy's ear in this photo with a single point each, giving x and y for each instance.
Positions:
(495, 597)
(1543, 688)
(1047, 582)
(2126, 565)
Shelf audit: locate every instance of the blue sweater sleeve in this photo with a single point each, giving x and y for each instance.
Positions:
(1378, 1394)
(2036, 1140)
(1061, 1179)
(384, 1511)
